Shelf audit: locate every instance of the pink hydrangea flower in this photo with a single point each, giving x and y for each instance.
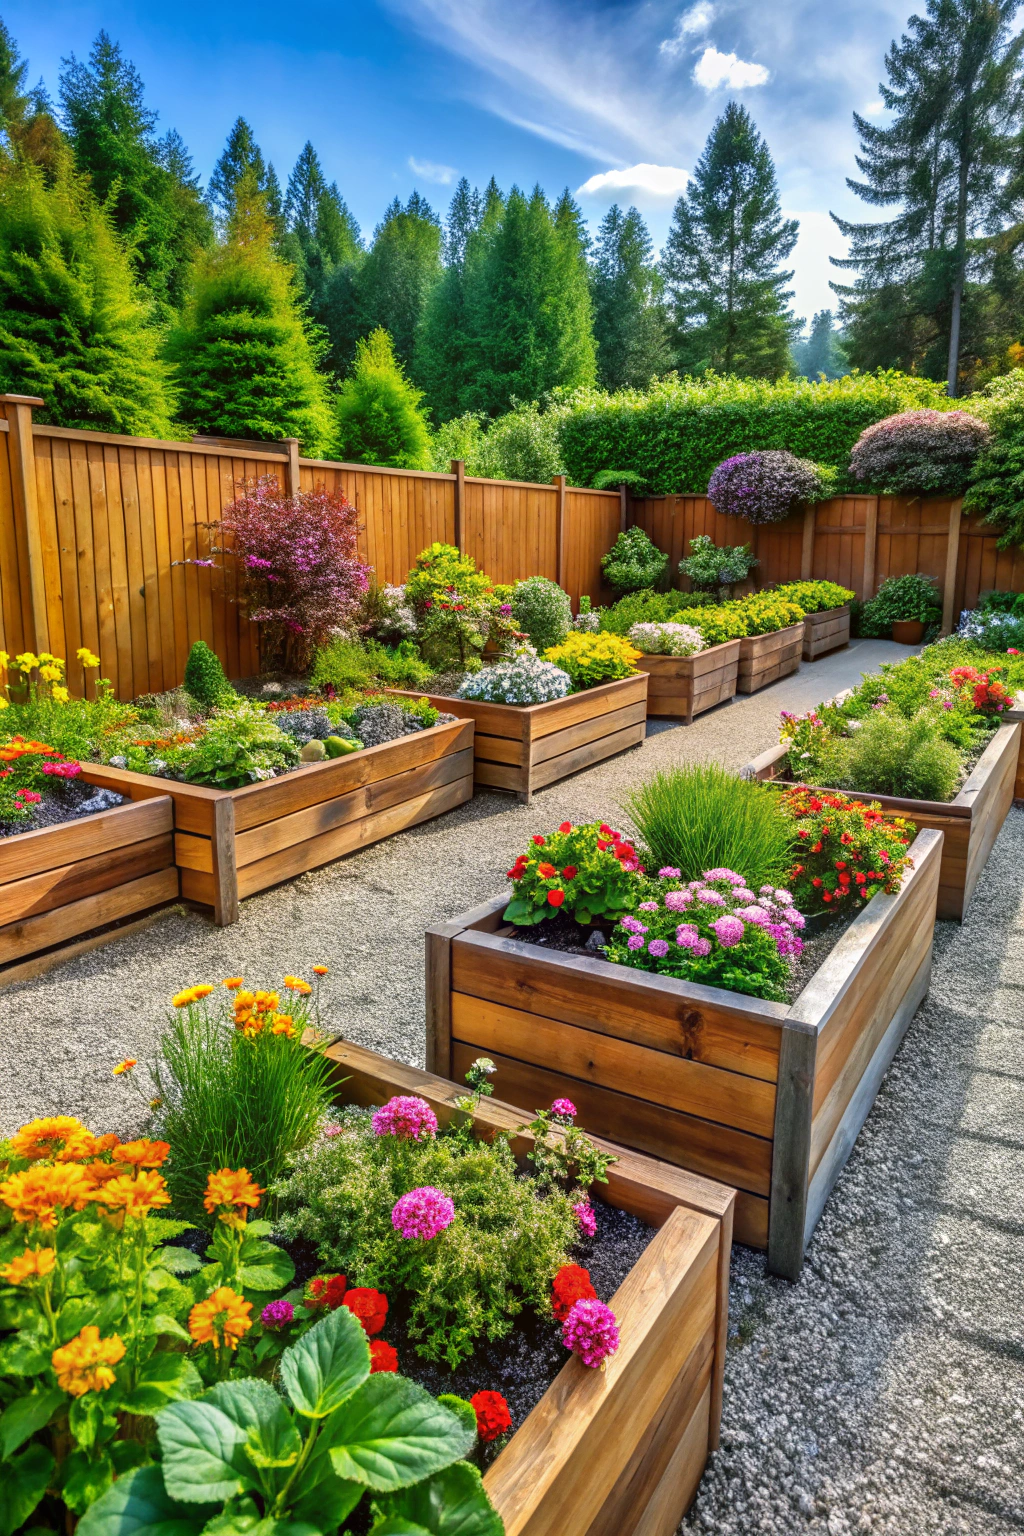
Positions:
(564, 1109)
(591, 1332)
(277, 1314)
(635, 941)
(753, 914)
(724, 874)
(711, 898)
(686, 935)
(633, 925)
(729, 931)
(678, 901)
(648, 906)
(584, 1213)
(668, 873)
(423, 1213)
(701, 948)
(405, 1116)
(658, 948)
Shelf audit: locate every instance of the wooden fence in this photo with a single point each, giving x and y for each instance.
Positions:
(96, 531)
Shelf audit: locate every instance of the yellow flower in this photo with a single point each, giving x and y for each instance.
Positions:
(296, 984)
(49, 673)
(5, 660)
(266, 1002)
(222, 1319)
(190, 995)
(26, 661)
(59, 695)
(34, 1264)
(4, 703)
(61, 1138)
(86, 657)
(142, 1153)
(231, 1187)
(37, 1194)
(232, 982)
(320, 970)
(84, 1364)
(126, 1065)
(283, 1025)
(136, 1196)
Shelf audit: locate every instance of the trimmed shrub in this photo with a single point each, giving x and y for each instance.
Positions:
(649, 608)
(898, 599)
(634, 562)
(711, 566)
(919, 453)
(379, 420)
(541, 610)
(765, 612)
(342, 664)
(721, 622)
(204, 678)
(891, 755)
(766, 487)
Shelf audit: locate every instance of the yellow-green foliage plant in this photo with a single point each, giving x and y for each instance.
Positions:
(725, 621)
(592, 659)
(815, 596)
(766, 612)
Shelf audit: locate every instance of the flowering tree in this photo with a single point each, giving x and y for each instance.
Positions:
(919, 452)
(301, 576)
(764, 487)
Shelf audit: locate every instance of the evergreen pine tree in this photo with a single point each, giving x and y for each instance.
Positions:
(323, 242)
(576, 352)
(444, 355)
(822, 352)
(245, 357)
(400, 270)
(74, 327)
(14, 99)
(112, 134)
(27, 124)
(241, 153)
(723, 256)
(378, 410)
(630, 326)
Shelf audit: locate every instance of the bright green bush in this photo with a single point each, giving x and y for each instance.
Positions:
(398, 666)
(342, 664)
(720, 622)
(766, 612)
(997, 483)
(647, 607)
(891, 755)
(711, 566)
(379, 420)
(593, 659)
(901, 598)
(204, 676)
(541, 610)
(634, 562)
(815, 596)
(441, 566)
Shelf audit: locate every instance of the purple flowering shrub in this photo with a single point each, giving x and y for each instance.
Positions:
(919, 453)
(765, 487)
(714, 930)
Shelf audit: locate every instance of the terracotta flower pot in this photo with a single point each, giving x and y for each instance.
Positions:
(908, 631)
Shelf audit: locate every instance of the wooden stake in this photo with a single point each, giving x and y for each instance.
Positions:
(291, 470)
(807, 548)
(459, 471)
(870, 550)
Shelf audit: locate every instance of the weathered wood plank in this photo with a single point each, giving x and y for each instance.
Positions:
(688, 685)
(766, 658)
(86, 877)
(78, 917)
(826, 631)
(30, 853)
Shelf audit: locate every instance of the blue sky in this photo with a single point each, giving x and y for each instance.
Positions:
(613, 98)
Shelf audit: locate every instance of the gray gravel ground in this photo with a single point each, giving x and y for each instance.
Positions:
(885, 1391)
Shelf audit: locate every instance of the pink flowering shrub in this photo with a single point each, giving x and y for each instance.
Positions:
(591, 1332)
(714, 930)
(300, 576)
(919, 453)
(423, 1213)
(764, 487)
(405, 1116)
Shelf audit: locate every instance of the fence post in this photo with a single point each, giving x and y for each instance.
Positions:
(459, 471)
(870, 549)
(807, 547)
(952, 557)
(623, 507)
(18, 410)
(292, 483)
(559, 482)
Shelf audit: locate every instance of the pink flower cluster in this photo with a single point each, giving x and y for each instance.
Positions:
(584, 1213)
(591, 1332)
(564, 1109)
(727, 906)
(69, 770)
(405, 1116)
(423, 1213)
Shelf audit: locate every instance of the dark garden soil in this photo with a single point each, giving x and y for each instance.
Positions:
(64, 800)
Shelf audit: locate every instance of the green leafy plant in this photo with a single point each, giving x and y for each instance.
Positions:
(399, 666)
(723, 621)
(818, 747)
(766, 612)
(997, 479)
(440, 567)
(700, 816)
(611, 479)
(587, 872)
(593, 659)
(891, 755)
(342, 664)
(712, 567)
(541, 610)
(379, 420)
(900, 598)
(204, 676)
(239, 745)
(815, 596)
(634, 562)
(306, 1460)
(647, 607)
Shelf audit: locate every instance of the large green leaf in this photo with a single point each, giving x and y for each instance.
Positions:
(23, 1481)
(451, 1503)
(393, 1433)
(327, 1364)
(204, 1456)
(25, 1415)
(269, 1269)
(180, 1261)
(86, 1479)
(138, 1505)
(166, 1377)
(271, 1437)
(323, 1497)
(248, 1523)
(395, 1525)
(104, 1310)
(24, 1353)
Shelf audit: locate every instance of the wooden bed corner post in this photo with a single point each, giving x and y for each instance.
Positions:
(791, 1151)
(870, 549)
(439, 997)
(293, 483)
(18, 410)
(458, 469)
(623, 507)
(952, 559)
(225, 870)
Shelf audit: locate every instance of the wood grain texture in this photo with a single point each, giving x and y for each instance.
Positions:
(826, 631)
(30, 934)
(30, 853)
(766, 658)
(684, 686)
(86, 877)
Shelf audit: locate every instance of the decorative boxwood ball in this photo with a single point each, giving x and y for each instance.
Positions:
(919, 453)
(764, 487)
(541, 610)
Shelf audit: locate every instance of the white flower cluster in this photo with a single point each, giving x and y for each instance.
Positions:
(522, 679)
(401, 615)
(587, 623)
(667, 639)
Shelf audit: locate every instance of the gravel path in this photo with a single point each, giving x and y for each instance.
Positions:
(885, 1391)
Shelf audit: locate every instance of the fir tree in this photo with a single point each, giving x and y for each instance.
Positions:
(822, 352)
(241, 153)
(323, 242)
(74, 326)
(245, 357)
(112, 134)
(630, 326)
(445, 353)
(378, 410)
(576, 355)
(14, 99)
(27, 125)
(400, 270)
(723, 255)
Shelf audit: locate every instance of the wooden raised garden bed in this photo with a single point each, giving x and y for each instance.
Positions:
(229, 843)
(766, 658)
(687, 685)
(766, 1098)
(1012, 717)
(826, 631)
(524, 747)
(616, 1452)
(970, 823)
(63, 881)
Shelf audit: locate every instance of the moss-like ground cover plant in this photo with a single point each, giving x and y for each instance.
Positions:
(815, 596)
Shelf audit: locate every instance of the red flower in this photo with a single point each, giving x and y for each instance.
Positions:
(605, 830)
(826, 896)
(603, 843)
(565, 826)
(546, 871)
(370, 1306)
(570, 1285)
(538, 840)
(802, 832)
(846, 839)
(383, 1356)
(555, 898)
(844, 880)
(492, 1415)
(815, 847)
(816, 881)
(840, 864)
(323, 1292)
(337, 1285)
(860, 879)
(570, 872)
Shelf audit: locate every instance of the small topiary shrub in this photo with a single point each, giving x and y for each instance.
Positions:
(541, 610)
(633, 562)
(593, 659)
(919, 453)
(766, 487)
(898, 599)
(711, 566)
(204, 677)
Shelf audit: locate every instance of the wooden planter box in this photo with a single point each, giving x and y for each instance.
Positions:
(618, 1451)
(766, 658)
(1013, 717)
(230, 843)
(826, 631)
(524, 747)
(970, 823)
(765, 1097)
(688, 685)
(63, 881)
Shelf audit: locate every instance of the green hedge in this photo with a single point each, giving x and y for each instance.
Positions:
(675, 433)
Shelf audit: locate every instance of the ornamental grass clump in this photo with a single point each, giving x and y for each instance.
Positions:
(847, 852)
(919, 453)
(765, 487)
(586, 872)
(592, 659)
(541, 610)
(891, 755)
(666, 639)
(700, 816)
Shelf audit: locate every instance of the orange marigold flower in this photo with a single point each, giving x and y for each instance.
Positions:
(283, 1024)
(126, 1065)
(231, 982)
(231, 1187)
(296, 984)
(102, 1173)
(320, 970)
(142, 1153)
(84, 1364)
(34, 1264)
(61, 1138)
(137, 1196)
(266, 1002)
(39, 1193)
(107, 1142)
(222, 1319)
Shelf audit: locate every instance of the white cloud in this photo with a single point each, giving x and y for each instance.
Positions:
(874, 109)
(697, 19)
(659, 180)
(444, 175)
(714, 69)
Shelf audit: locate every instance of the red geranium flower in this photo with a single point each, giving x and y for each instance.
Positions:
(337, 1285)
(565, 826)
(492, 1415)
(555, 898)
(571, 1284)
(370, 1306)
(383, 1356)
(538, 840)
(546, 871)
(570, 872)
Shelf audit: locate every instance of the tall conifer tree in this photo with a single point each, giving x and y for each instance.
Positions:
(241, 153)
(445, 354)
(630, 325)
(400, 270)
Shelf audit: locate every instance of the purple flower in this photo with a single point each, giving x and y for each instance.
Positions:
(794, 918)
(630, 866)
(208, 563)
(723, 874)
(648, 906)
(668, 873)
(658, 948)
(277, 1314)
(423, 1213)
(584, 1213)
(729, 930)
(678, 901)
(711, 898)
(591, 1332)
(635, 941)
(564, 1109)
(701, 948)
(405, 1116)
(505, 609)
(687, 936)
(256, 564)
(947, 705)
(934, 694)
(633, 925)
(742, 894)
(753, 914)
